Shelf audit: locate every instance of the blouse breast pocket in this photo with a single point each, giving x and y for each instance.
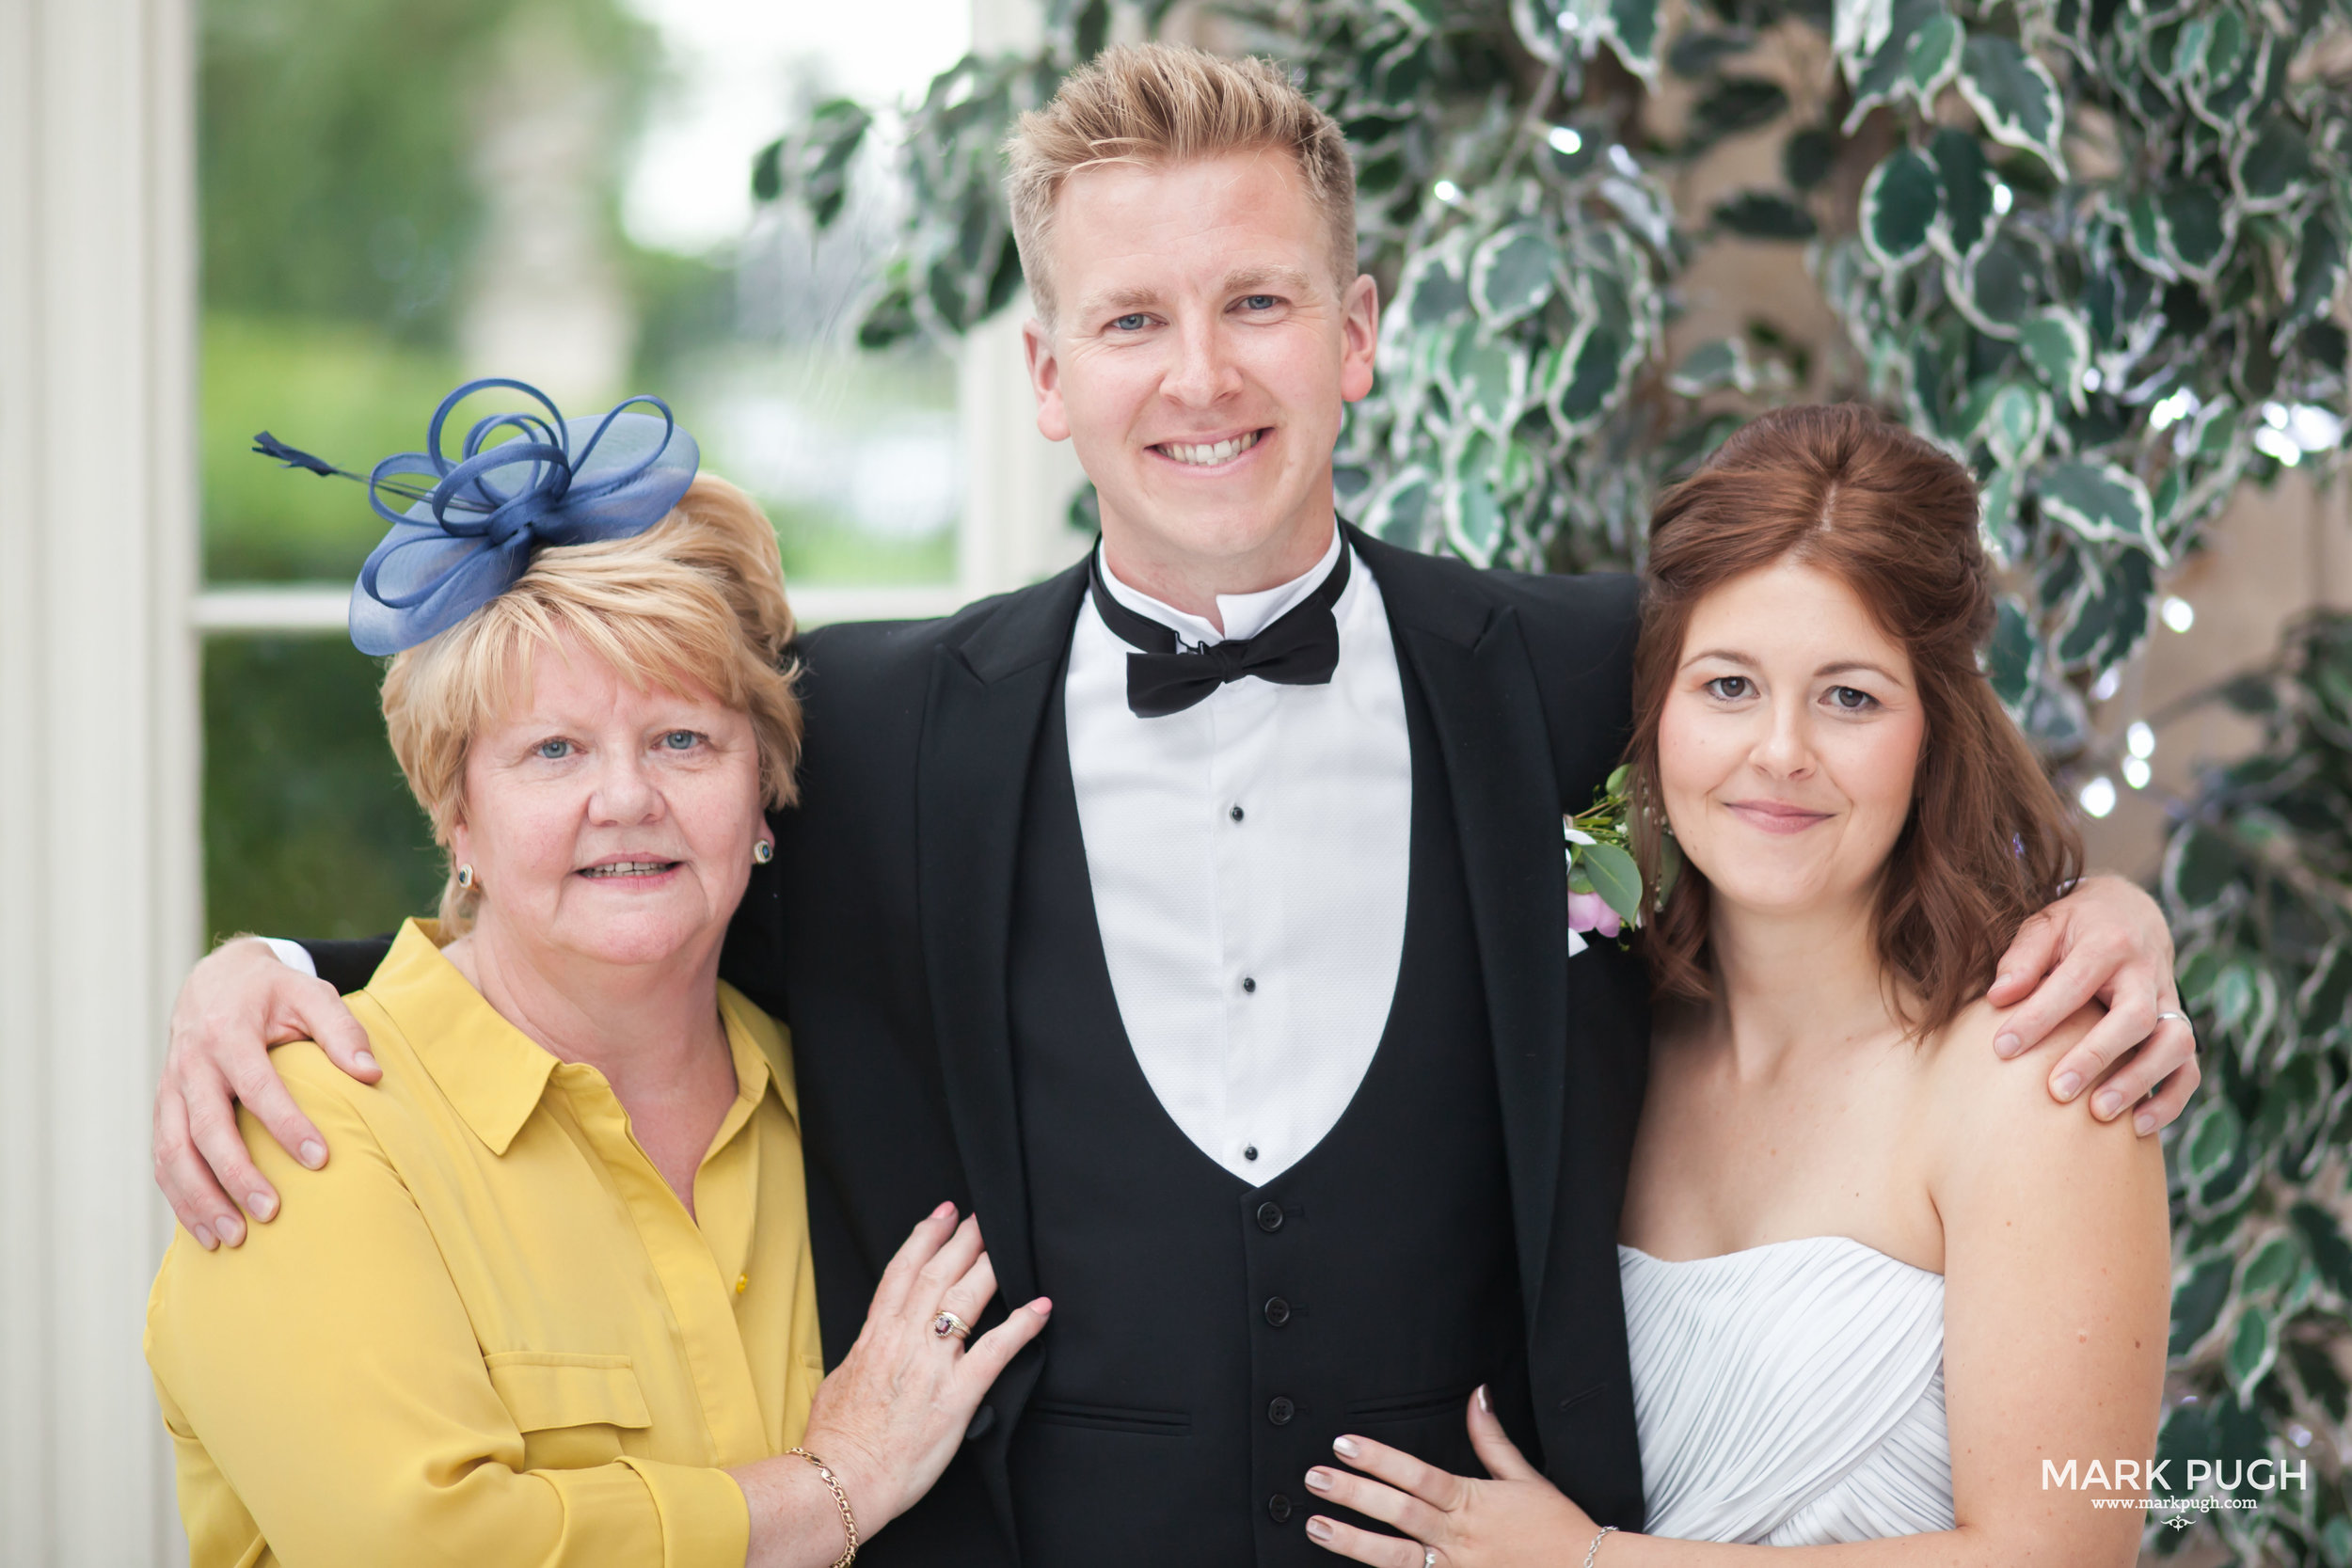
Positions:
(570, 1409)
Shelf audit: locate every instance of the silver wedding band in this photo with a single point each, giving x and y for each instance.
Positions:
(2183, 1017)
(1429, 1557)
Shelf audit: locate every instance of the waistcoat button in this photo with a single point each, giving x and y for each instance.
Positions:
(1277, 1311)
(1269, 1216)
(1281, 1411)
(1278, 1508)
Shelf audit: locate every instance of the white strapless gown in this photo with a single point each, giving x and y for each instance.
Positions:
(1789, 1395)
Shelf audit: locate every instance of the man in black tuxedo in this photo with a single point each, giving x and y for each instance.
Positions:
(1198, 918)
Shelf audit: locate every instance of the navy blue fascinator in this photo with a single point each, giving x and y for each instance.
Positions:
(474, 520)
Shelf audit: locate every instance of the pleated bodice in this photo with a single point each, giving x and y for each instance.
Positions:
(1789, 1395)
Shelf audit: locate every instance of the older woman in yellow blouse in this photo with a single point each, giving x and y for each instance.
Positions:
(551, 1303)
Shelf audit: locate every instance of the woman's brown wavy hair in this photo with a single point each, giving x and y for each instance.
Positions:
(1989, 841)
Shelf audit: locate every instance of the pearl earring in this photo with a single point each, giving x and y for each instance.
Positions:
(465, 877)
(762, 852)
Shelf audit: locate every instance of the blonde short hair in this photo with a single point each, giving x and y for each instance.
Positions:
(1152, 103)
(695, 601)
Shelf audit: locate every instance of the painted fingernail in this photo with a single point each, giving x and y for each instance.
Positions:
(2145, 1122)
(1344, 1446)
(2005, 1045)
(203, 1236)
(363, 1060)
(2066, 1085)
(1319, 1480)
(313, 1153)
(1485, 1401)
(1319, 1529)
(260, 1205)
(942, 1212)
(2107, 1104)
(1042, 1307)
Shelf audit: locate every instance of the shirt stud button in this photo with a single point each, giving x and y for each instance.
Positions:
(1249, 1154)
(1249, 983)
(1236, 814)
(742, 1283)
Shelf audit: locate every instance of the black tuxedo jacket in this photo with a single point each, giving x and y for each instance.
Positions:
(879, 936)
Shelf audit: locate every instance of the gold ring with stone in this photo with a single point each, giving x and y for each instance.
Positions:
(949, 1326)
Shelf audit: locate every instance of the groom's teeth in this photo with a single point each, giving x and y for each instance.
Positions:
(1222, 452)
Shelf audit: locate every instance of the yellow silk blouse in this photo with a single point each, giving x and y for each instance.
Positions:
(487, 1332)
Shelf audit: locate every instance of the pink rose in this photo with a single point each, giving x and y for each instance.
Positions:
(1590, 912)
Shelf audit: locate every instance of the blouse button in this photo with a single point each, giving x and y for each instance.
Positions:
(742, 1283)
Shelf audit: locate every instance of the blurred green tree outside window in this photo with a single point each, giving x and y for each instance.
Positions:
(393, 196)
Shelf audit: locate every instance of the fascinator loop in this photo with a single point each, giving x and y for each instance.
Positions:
(474, 520)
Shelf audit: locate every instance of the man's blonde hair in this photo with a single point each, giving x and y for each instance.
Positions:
(695, 601)
(1158, 103)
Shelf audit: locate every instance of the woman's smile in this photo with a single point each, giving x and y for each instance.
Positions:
(1776, 817)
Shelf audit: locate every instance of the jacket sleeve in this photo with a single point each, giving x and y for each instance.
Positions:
(346, 965)
(1581, 631)
(326, 1393)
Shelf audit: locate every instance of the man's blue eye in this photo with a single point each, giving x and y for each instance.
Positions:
(1261, 302)
(1131, 322)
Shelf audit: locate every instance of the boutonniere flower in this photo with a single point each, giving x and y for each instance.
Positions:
(1604, 881)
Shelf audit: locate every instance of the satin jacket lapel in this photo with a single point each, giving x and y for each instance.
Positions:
(988, 696)
(1473, 666)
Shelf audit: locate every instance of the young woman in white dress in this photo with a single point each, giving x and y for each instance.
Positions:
(1872, 1279)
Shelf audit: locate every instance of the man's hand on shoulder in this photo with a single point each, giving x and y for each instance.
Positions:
(2105, 941)
(234, 1006)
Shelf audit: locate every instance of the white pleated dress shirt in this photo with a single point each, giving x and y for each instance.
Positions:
(1250, 859)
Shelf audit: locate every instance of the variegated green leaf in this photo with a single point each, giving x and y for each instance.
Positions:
(2254, 1346)
(2210, 1141)
(1914, 58)
(1512, 272)
(1400, 510)
(2195, 226)
(1997, 289)
(2055, 341)
(2009, 661)
(2319, 268)
(1899, 204)
(2017, 420)
(1718, 363)
(2015, 97)
(1857, 29)
(1964, 219)
(2098, 501)
(1931, 60)
(2274, 167)
(2272, 1267)
(1586, 376)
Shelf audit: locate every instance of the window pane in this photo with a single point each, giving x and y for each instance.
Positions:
(397, 194)
(308, 828)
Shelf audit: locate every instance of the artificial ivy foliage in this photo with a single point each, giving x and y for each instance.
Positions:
(2094, 248)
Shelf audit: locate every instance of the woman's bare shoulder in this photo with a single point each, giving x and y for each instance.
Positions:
(1981, 1109)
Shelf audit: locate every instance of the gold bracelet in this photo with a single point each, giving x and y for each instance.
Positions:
(841, 1500)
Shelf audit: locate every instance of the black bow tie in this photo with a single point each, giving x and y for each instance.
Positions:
(1300, 648)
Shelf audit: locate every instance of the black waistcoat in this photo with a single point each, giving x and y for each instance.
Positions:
(1210, 1338)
